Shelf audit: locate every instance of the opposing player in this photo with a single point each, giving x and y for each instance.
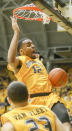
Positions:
(32, 72)
(25, 117)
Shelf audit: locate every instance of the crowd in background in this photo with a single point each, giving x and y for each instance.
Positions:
(6, 77)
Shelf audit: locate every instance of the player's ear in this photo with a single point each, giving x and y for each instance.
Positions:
(9, 101)
(21, 51)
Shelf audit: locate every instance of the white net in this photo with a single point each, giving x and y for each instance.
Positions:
(32, 14)
(46, 19)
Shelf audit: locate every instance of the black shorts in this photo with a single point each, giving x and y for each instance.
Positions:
(60, 110)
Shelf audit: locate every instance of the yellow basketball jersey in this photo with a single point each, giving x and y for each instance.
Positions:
(48, 101)
(31, 118)
(34, 75)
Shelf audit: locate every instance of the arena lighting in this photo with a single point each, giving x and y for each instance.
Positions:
(67, 13)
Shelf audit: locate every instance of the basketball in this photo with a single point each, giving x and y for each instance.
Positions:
(58, 77)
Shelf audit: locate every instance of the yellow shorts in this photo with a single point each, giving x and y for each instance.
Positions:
(49, 100)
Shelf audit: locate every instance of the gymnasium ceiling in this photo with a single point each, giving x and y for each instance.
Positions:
(49, 42)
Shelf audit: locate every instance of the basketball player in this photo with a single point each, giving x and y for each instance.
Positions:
(32, 72)
(25, 117)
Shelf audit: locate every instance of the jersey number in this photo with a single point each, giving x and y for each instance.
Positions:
(35, 127)
(36, 69)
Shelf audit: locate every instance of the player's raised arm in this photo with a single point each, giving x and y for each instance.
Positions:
(14, 43)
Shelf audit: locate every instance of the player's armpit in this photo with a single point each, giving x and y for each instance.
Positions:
(14, 66)
(7, 127)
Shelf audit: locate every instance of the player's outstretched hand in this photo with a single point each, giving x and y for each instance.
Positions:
(14, 24)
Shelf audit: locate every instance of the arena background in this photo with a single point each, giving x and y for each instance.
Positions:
(53, 43)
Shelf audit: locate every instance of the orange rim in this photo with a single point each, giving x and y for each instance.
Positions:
(27, 8)
(34, 8)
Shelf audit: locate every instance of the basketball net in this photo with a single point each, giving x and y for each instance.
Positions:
(31, 12)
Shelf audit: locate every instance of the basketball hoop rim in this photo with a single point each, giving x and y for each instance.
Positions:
(34, 8)
(27, 8)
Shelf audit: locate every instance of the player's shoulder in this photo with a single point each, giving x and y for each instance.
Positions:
(38, 61)
(39, 107)
(5, 116)
(7, 113)
(22, 58)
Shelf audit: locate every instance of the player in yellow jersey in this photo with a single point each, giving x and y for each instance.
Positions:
(32, 72)
(26, 117)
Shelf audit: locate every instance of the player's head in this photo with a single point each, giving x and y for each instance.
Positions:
(17, 92)
(26, 47)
